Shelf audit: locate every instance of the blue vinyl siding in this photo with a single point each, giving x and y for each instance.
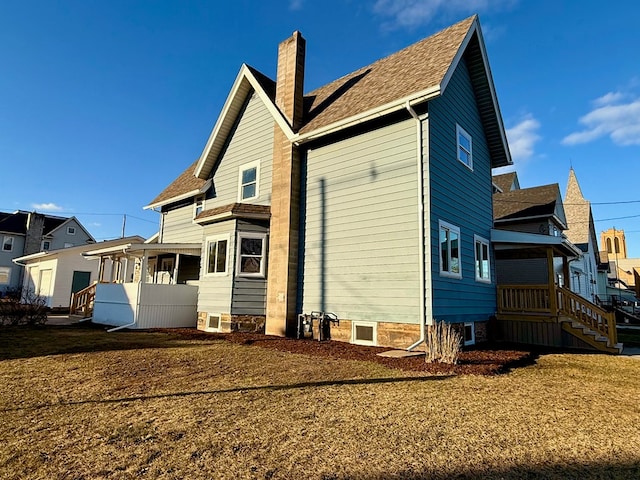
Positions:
(461, 197)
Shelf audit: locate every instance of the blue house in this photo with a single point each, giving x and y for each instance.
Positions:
(369, 197)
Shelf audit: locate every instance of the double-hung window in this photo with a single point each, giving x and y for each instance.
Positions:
(198, 206)
(483, 269)
(216, 255)
(7, 244)
(251, 254)
(450, 250)
(465, 149)
(248, 181)
(5, 275)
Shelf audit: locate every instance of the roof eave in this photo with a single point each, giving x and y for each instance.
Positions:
(381, 111)
(177, 198)
(245, 80)
(475, 28)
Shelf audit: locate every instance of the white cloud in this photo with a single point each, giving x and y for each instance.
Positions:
(412, 13)
(611, 117)
(47, 207)
(522, 138)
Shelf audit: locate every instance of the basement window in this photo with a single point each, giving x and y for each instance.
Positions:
(364, 333)
(469, 333)
(5, 275)
(213, 323)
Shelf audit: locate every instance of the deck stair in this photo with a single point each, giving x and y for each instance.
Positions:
(589, 336)
(82, 302)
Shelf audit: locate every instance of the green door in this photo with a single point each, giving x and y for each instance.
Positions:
(80, 280)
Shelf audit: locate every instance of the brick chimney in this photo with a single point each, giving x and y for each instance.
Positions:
(35, 230)
(282, 281)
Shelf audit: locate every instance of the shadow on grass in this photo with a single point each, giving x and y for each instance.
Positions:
(560, 471)
(273, 388)
(28, 342)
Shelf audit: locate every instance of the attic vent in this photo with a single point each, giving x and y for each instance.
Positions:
(214, 322)
(364, 333)
(469, 334)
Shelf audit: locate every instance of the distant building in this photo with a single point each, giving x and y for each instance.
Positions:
(24, 233)
(624, 272)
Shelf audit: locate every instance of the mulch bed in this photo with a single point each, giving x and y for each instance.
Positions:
(479, 360)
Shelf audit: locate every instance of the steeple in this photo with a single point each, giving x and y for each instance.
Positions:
(573, 193)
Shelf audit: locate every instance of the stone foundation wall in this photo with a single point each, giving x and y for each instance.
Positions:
(234, 323)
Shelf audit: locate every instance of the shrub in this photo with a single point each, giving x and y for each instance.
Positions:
(28, 309)
(443, 343)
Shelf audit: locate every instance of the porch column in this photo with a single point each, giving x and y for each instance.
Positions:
(144, 267)
(125, 268)
(113, 269)
(553, 299)
(175, 270)
(101, 270)
(565, 271)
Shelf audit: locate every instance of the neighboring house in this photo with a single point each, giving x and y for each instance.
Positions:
(505, 182)
(583, 271)
(532, 261)
(370, 197)
(57, 274)
(23, 233)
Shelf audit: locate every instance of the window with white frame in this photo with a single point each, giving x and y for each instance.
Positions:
(5, 275)
(46, 245)
(465, 150)
(483, 267)
(364, 333)
(248, 181)
(71, 230)
(251, 254)
(216, 255)
(450, 250)
(198, 206)
(469, 333)
(7, 244)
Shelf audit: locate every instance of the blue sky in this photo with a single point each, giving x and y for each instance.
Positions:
(102, 104)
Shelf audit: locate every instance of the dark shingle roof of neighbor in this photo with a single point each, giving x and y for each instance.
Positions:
(526, 202)
(17, 222)
(504, 181)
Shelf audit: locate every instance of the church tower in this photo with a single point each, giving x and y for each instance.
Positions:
(614, 243)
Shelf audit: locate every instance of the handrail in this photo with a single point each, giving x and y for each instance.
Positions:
(82, 301)
(588, 314)
(524, 299)
(536, 299)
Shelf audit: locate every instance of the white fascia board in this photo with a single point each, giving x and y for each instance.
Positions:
(32, 256)
(192, 193)
(475, 27)
(386, 109)
(224, 119)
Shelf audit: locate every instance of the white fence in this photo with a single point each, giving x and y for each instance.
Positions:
(148, 305)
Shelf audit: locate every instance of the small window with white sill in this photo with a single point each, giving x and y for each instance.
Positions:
(213, 323)
(46, 245)
(5, 275)
(198, 206)
(251, 254)
(7, 244)
(469, 333)
(71, 230)
(465, 147)
(364, 333)
(450, 250)
(217, 255)
(483, 268)
(248, 181)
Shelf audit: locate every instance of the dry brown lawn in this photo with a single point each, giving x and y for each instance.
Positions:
(157, 405)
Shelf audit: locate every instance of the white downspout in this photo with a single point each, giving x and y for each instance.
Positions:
(421, 228)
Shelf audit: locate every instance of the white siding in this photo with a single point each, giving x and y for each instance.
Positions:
(361, 256)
